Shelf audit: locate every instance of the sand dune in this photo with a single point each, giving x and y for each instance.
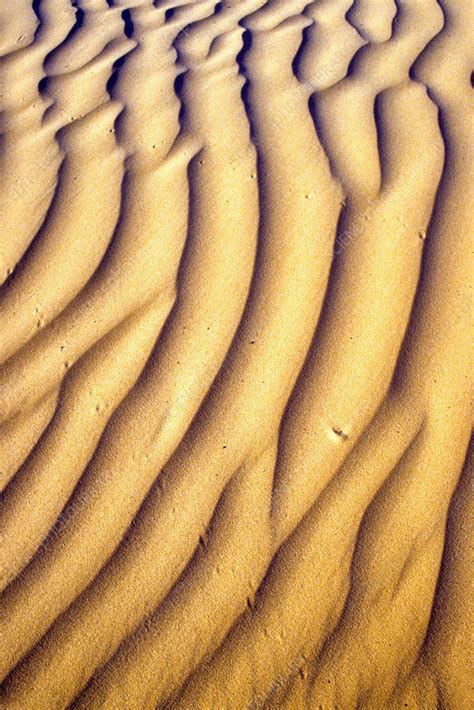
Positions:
(235, 364)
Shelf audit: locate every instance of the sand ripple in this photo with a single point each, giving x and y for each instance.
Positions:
(235, 310)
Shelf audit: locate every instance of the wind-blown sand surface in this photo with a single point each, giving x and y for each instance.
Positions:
(235, 389)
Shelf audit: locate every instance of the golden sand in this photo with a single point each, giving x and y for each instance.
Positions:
(235, 365)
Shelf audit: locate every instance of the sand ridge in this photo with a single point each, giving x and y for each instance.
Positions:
(235, 383)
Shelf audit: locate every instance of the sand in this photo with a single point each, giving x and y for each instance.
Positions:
(235, 358)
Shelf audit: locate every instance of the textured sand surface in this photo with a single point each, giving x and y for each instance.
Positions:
(235, 364)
